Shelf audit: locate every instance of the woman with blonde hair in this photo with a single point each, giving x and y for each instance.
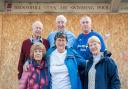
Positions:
(101, 71)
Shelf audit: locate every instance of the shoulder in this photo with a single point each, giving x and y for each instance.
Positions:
(44, 40)
(80, 35)
(69, 33)
(51, 33)
(26, 41)
(96, 33)
(50, 50)
(110, 62)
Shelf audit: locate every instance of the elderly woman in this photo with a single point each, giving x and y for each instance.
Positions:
(101, 70)
(36, 75)
(37, 28)
(63, 65)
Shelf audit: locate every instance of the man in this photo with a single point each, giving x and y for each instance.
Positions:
(37, 28)
(81, 42)
(61, 24)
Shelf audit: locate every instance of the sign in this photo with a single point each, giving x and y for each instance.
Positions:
(57, 7)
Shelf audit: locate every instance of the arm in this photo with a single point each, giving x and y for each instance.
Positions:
(113, 75)
(71, 39)
(79, 59)
(21, 62)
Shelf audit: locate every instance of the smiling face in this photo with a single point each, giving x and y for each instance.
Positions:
(94, 45)
(95, 48)
(86, 23)
(37, 51)
(60, 44)
(37, 28)
(38, 54)
(61, 22)
(60, 25)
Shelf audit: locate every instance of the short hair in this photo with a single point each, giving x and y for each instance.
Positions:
(61, 18)
(37, 22)
(36, 46)
(93, 39)
(85, 17)
(60, 35)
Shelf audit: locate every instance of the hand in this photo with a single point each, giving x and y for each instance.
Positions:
(26, 66)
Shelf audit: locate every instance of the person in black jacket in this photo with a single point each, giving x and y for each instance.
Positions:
(101, 71)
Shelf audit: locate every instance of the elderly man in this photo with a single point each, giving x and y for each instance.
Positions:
(61, 24)
(37, 28)
(81, 42)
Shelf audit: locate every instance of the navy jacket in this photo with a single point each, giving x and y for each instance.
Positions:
(106, 73)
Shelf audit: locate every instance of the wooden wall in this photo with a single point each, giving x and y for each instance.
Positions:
(14, 28)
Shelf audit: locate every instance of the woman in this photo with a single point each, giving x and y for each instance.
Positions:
(36, 75)
(101, 71)
(63, 65)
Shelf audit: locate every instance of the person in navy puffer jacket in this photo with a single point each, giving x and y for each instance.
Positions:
(101, 71)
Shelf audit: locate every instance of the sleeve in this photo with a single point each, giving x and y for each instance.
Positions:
(24, 80)
(46, 44)
(79, 59)
(113, 75)
(71, 39)
(21, 61)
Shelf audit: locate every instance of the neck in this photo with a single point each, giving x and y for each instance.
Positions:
(38, 61)
(36, 37)
(61, 51)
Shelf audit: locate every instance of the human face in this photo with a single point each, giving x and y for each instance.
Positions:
(60, 44)
(95, 47)
(86, 25)
(60, 25)
(37, 30)
(38, 54)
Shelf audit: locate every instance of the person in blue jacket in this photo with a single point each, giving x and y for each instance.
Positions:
(101, 71)
(81, 46)
(61, 22)
(63, 65)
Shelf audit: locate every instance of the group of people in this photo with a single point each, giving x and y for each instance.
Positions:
(63, 61)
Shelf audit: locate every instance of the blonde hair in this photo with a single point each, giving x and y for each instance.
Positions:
(62, 18)
(36, 46)
(93, 39)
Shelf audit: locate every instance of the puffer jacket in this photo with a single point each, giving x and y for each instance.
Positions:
(106, 73)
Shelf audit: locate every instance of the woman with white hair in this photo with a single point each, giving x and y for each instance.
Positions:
(61, 24)
(101, 72)
(37, 28)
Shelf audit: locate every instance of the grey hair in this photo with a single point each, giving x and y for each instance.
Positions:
(61, 17)
(85, 17)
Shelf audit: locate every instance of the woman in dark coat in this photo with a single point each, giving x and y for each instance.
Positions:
(101, 72)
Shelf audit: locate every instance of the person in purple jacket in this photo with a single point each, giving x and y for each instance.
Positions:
(37, 28)
(36, 75)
